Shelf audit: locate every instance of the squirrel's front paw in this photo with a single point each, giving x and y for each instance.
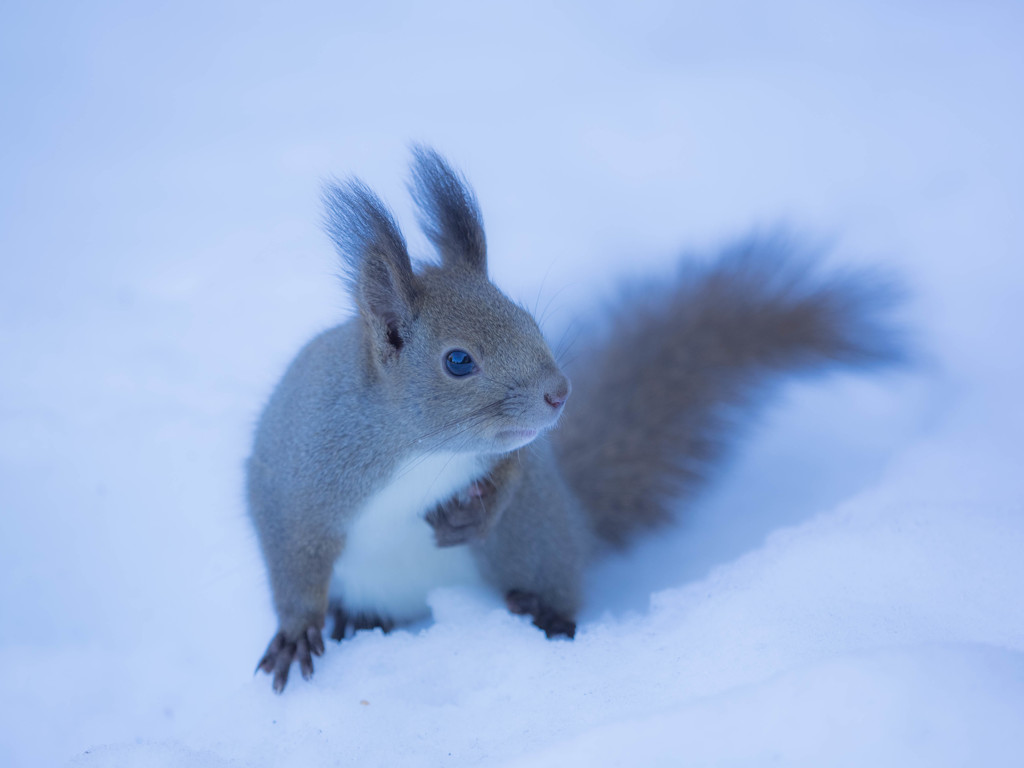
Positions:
(465, 517)
(282, 651)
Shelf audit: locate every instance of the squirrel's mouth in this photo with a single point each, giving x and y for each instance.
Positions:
(516, 438)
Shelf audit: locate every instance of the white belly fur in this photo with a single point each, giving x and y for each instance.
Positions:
(390, 561)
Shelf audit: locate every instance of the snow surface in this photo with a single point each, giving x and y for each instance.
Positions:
(848, 594)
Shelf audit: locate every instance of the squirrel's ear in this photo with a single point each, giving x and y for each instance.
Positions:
(448, 210)
(376, 261)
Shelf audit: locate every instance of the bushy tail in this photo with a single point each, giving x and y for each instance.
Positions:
(660, 390)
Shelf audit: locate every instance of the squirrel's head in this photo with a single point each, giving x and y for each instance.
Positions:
(464, 365)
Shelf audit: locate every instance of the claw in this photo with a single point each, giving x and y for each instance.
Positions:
(340, 623)
(267, 662)
(282, 665)
(555, 626)
(305, 660)
(316, 641)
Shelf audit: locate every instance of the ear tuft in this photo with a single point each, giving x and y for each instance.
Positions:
(375, 260)
(448, 210)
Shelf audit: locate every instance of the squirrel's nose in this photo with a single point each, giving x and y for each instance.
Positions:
(557, 391)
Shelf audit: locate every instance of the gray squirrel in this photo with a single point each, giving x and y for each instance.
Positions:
(414, 445)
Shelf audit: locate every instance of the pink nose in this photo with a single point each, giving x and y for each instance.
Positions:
(554, 402)
(558, 393)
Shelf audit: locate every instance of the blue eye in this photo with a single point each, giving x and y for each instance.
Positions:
(459, 363)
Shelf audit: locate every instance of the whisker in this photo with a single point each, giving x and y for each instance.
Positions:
(422, 458)
(547, 307)
(465, 423)
(493, 380)
(540, 290)
(448, 425)
(567, 342)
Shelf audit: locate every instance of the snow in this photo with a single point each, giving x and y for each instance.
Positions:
(847, 594)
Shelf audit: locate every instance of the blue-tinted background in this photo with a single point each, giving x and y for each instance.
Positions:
(162, 261)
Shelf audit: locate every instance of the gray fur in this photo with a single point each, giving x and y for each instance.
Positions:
(647, 420)
(543, 541)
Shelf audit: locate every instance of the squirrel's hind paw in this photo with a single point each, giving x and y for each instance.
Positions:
(544, 617)
(357, 621)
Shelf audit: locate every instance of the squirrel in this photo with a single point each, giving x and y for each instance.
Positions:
(414, 445)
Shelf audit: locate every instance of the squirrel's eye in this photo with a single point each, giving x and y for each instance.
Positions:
(459, 363)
